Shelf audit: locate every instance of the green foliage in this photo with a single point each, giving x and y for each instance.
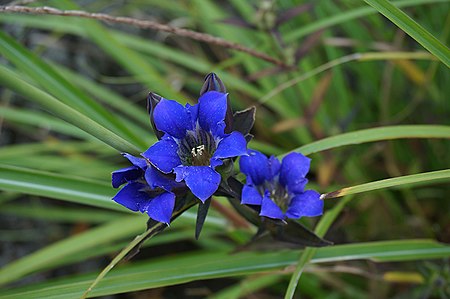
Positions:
(369, 109)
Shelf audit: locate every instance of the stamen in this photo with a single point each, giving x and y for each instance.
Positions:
(198, 151)
(197, 148)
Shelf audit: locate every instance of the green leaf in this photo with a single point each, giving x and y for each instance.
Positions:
(62, 187)
(10, 80)
(99, 236)
(413, 29)
(42, 120)
(346, 16)
(376, 134)
(182, 269)
(131, 60)
(58, 86)
(392, 182)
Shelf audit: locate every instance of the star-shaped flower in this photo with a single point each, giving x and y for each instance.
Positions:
(279, 187)
(194, 142)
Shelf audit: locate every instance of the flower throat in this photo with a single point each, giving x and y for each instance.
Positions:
(197, 148)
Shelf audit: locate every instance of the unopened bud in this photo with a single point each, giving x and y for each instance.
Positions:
(153, 99)
(212, 83)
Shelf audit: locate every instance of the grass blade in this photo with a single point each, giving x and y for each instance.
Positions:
(413, 29)
(376, 134)
(10, 80)
(58, 86)
(182, 269)
(51, 185)
(392, 182)
(104, 234)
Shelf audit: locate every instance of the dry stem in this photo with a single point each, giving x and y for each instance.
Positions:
(45, 10)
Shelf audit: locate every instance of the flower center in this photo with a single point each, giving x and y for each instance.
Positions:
(197, 148)
(278, 194)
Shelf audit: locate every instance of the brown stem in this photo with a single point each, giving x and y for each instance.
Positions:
(45, 10)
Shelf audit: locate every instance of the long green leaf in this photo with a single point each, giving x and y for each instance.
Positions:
(10, 80)
(42, 120)
(131, 60)
(147, 47)
(347, 15)
(376, 134)
(392, 182)
(58, 86)
(182, 269)
(62, 187)
(412, 28)
(99, 236)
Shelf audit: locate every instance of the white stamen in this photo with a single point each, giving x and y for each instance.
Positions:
(198, 151)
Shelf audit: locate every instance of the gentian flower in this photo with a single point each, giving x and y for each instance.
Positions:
(279, 187)
(194, 142)
(147, 190)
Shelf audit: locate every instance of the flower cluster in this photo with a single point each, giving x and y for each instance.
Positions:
(197, 147)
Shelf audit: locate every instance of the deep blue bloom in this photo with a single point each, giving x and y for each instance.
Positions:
(279, 187)
(194, 142)
(147, 190)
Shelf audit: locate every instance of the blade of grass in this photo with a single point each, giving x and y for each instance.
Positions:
(326, 221)
(36, 210)
(131, 60)
(104, 234)
(63, 90)
(392, 182)
(148, 47)
(369, 56)
(181, 269)
(376, 134)
(53, 146)
(347, 16)
(42, 120)
(412, 28)
(73, 189)
(10, 80)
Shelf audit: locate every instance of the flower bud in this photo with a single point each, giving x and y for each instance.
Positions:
(152, 100)
(213, 83)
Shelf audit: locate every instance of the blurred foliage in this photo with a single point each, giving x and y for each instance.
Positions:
(74, 96)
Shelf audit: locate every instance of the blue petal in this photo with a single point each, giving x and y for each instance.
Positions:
(131, 197)
(255, 166)
(274, 166)
(296, 187)
(211, 112)
(136, 161)
(270, 209)
(251, 196)
(160, 208)
(233, 145)
(156, 179)
(193, 112)
(203, 181)
(172, 118)
(306, 204)
(124, 175)
(163, 154)
(294, 168)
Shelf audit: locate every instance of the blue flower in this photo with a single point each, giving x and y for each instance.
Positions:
(147, 190)
(279, 187)
(194, 142)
